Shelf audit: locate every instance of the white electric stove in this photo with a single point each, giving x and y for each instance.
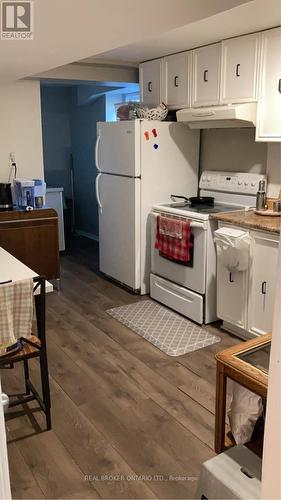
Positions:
(191, 289)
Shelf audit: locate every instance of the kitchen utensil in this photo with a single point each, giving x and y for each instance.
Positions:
(39, 201)
(261, 197)
(6, 201)
(277, 206)
(195, 200)
(158, 113)
(269, 203)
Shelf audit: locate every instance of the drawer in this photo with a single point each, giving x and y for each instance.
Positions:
(178, 298)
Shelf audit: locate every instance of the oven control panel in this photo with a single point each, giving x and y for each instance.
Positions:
(231, 182)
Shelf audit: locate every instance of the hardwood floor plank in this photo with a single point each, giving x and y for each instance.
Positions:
(52, 466)
(120, 406)
(95, 456)
(22, 480)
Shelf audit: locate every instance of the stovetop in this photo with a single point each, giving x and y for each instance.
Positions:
(199, 212)
(203, 209)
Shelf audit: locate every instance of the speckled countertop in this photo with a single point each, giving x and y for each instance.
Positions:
(251, 220)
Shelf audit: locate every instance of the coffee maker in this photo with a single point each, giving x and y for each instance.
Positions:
(6, 201)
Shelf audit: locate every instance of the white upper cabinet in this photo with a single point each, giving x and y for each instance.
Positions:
(269, 106)
(150, 82)
(240, 65)
(176, 80)
(206, 75)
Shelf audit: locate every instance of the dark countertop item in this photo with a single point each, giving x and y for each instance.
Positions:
(250, 220)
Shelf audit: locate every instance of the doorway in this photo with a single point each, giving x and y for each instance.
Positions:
(70, 113)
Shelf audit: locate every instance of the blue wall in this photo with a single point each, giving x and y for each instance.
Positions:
(83, 137)
(69, 128)
(55, 104)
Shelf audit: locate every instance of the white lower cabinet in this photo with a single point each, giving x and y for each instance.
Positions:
(245, 300)
(262, 282)
(232, 296)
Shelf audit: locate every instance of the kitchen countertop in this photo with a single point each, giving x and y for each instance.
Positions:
(250, 219)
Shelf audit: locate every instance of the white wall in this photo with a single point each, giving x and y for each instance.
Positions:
(236, 150)
(21, 129)
(274, 168)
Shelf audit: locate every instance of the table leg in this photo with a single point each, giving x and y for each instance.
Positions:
(220, 409)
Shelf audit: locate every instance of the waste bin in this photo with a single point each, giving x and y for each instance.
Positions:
(233, 257)
(233, 248)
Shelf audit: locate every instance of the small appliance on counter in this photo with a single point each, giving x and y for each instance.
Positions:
(30, 193)
(267, 206)
(24, 192)
(6, 201)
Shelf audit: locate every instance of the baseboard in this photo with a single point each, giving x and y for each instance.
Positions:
(86, 235)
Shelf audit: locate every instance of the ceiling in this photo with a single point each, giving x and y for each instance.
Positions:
(252, 16)
(70, 30)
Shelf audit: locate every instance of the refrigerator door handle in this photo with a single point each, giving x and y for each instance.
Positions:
(97, 154)
(97, 192)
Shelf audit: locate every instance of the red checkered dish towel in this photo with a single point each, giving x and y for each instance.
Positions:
(173, 238)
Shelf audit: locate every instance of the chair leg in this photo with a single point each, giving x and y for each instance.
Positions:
(26, 376)
(45, 387)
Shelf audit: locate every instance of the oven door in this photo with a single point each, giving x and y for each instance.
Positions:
(190, 276)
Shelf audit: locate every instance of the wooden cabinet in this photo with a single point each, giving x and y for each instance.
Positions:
(269, 106)
(262, 282)
(150, 82)
(206, 75)
(32, 237)
(176, 80)
(240, 65)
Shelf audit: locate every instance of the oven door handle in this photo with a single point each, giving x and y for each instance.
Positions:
(198, 225)
(193, 224)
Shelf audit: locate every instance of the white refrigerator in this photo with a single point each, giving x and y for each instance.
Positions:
(139, 163)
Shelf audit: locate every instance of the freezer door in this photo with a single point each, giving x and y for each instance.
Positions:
(118, 148)
(119, 228)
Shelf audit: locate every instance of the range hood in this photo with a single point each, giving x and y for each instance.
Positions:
(226, 116)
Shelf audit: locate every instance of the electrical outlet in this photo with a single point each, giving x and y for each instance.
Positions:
(12, 158)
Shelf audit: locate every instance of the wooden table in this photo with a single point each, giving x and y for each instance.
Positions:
(230, 365)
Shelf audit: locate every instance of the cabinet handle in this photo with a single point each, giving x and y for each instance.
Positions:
(263, 288)
(279, 86)
(176, 81)
(205, 77)
(237, 69)
(149, 86)
(230, 278)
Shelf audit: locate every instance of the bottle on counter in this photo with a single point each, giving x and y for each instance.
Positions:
(261, 196)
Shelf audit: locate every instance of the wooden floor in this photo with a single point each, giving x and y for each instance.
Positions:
(128, 420)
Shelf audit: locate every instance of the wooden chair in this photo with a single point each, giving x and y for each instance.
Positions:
(33, 347)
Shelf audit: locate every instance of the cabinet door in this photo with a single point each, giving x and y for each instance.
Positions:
(176, 80)
(269, 106)
(262, 282)
(232, 296)
(150, 82)
(240, 58)
(206, 75)
(34, 242)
